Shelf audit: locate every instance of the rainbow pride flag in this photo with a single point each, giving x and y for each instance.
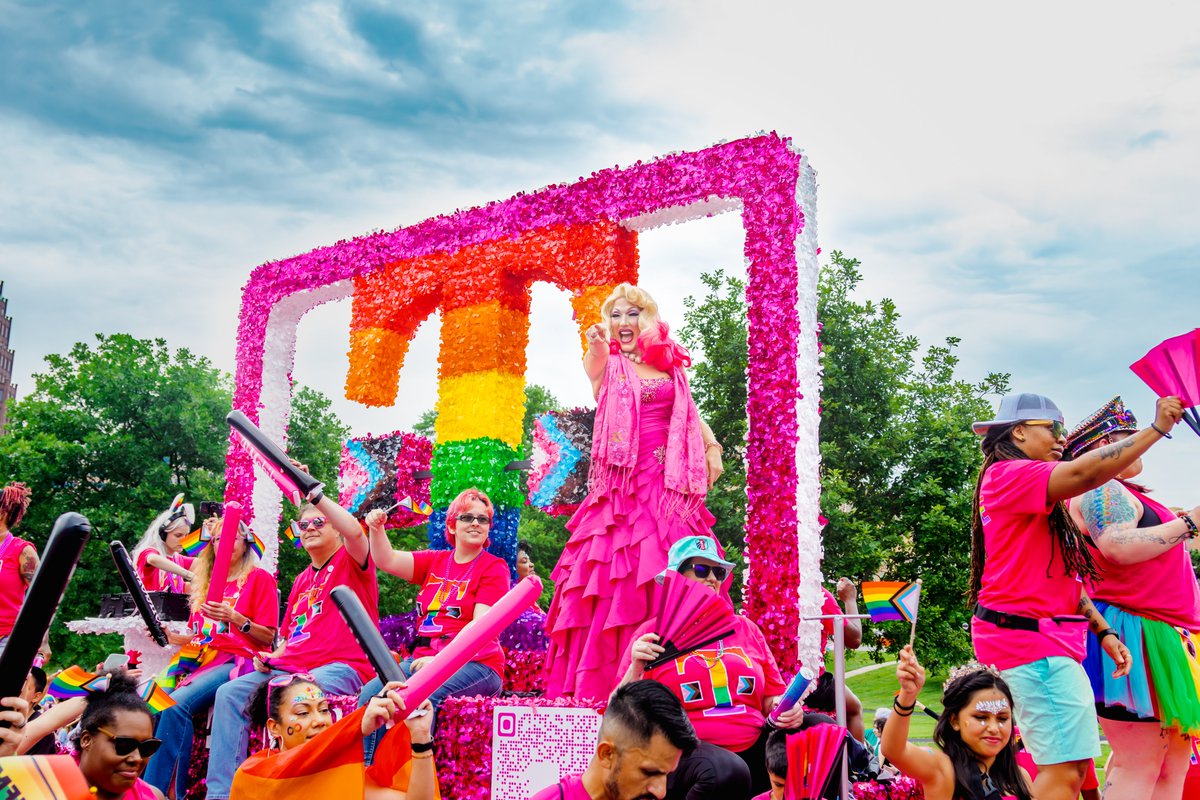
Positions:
(252, 541)
(889, 601)
(43, 778)
(194, 542)
(156, 697)
(75, 681)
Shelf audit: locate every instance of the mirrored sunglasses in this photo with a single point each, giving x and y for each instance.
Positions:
(702, 571)
(316, 523)
(1057, 428)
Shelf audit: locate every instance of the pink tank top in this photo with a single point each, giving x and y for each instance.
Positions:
(140, 791)
(1163, 588)
(12, 588)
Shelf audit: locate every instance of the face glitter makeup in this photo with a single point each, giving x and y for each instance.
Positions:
(991, 706)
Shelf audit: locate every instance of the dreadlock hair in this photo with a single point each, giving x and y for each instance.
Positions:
(13, 503)
(121, 694)
(998, 445)
(1004, 772)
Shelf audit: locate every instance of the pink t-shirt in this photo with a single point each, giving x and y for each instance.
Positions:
(12, 587)
(449, 592)
(314, 631)
(829, 605)
(156, 580)
(569, 788)
(257, 598)
(1023, 571)
(1162, 588)
(722, 685)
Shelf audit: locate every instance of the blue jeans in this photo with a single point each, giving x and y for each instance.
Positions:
(471, 680)
(175, 728)
(231, 719)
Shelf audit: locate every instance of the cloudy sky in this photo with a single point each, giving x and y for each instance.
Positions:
(1023, 176)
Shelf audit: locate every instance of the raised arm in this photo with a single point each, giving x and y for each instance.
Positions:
(1093, 470)
(847, 593)
(61, 715)
(933, 769)
(167, 565)
(387, 558)
(357, 543)
(1110, 514)
(596, 357)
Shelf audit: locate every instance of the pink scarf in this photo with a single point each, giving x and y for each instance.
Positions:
(615, 438)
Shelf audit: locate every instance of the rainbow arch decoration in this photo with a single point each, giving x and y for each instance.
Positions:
(476, 267)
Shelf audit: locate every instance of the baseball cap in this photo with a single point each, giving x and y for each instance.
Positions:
(1018, 408)
(695, 547)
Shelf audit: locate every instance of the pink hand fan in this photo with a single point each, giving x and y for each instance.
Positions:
(688, 615)
(814, 756)
(1173, 368)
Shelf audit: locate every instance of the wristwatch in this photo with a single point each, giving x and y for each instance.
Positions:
(245, 626)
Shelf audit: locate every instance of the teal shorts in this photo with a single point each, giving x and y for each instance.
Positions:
(1055, 710)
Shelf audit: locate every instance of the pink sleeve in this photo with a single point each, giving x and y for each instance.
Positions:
(493, 583)
(829, 606)
(626, 657)
(1020, 487)
(262, 602)
(185, 561)
(422, 560)
(144, 570)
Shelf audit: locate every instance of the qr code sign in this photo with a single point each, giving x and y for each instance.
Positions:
(533, 748)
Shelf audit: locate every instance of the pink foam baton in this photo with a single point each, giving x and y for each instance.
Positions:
(229, 535)
(296, 484)
(470, 641)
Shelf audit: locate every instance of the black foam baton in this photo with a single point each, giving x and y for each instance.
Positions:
(141, 599)
(63, 549)
(367, 633)
(296, 484)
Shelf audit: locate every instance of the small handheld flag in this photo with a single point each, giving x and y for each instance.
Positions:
(75, 681)
(156, 697)
(293, 535)
(889, 601)
(195, 541)
(416, 506)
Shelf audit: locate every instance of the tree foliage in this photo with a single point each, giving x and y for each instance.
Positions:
(898, 456)
(113, 430)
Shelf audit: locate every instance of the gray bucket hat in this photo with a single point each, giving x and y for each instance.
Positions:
(1018, 408)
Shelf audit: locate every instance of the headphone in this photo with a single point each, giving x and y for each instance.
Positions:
(177, 511)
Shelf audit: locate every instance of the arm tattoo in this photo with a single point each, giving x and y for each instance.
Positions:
(1115, 449)
(1108, 510)
(1095, 619)
(29, 565)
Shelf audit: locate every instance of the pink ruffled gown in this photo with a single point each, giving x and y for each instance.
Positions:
(604, 579)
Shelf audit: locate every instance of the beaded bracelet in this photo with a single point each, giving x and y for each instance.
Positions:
(1191, 524)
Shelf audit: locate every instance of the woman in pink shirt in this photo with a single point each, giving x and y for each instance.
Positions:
(159, 557)
(1147, 591)
(219, 634)
(18, 557)
(116, 739)
(727, 689)
(1027, 558)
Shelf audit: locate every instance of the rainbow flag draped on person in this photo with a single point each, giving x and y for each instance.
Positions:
(330, 765)
(43, 778)
(889, 601)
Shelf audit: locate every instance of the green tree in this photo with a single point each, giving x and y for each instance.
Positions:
(714, 330)
(898, 458)
(114, 429)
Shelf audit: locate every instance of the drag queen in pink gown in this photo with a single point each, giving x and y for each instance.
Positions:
(653, 461)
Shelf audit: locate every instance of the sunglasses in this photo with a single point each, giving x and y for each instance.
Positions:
(316, 523)
(124, 745)
(1057, 429)
(702, 571)
(284, 681)
(467, 519)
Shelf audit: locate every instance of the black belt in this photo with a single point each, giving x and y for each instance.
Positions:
(1005, 620)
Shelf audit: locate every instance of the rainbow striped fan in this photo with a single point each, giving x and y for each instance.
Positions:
(561, 460)
(687, 616)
